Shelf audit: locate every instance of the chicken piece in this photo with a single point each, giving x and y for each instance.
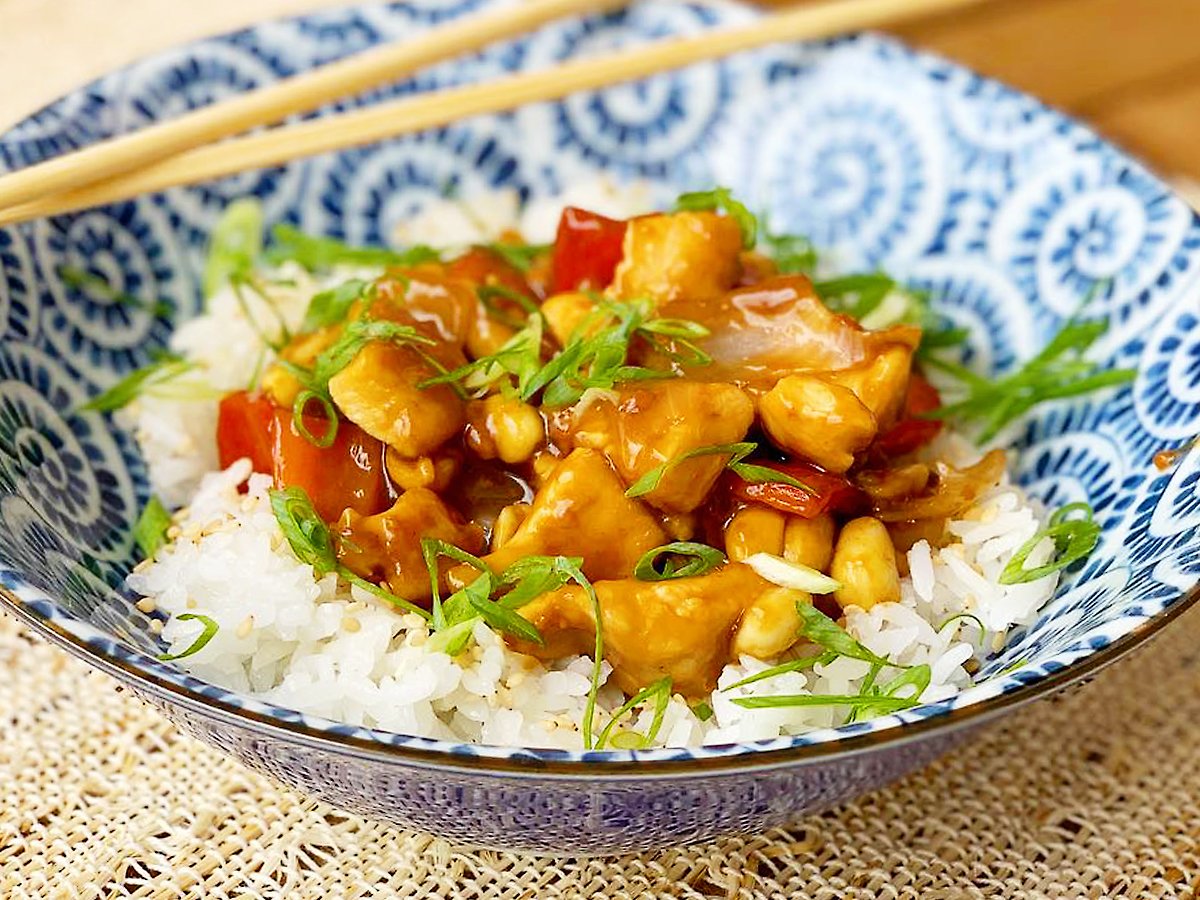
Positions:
(770, 625)
(582, 510)
(816, 419)
(677, 256)
(378, 391)
(881, 383)
(426, 294)
(681, 628)
(779, 326)
(387, 547)
(641, 428)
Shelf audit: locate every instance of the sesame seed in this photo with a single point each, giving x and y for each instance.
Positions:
(351, 624)
(156, 626)
(246, 626)
(147, 605)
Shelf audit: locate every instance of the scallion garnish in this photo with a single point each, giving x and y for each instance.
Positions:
(793, 665)
(754, 474)
(332, 307)
(793, 254)
(878, 705)
(312, 543)
(788, 574)
(702, 711)
(318, 254)
(826, 633)
(75, 277)
(1074, 538)
(722, 198)
(210, 629)
(1057, 372)
(660, 694)
(431, 550)
(519, 256)
(150, 530)
(329, 435)
(489, 293)
(141, 381)
(234, 245)
(700, 558)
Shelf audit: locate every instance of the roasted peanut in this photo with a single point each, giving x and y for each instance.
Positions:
(504, 428)
(809, 541)
(816, 419)
(754, 529)
(864, 561)
(770, 625)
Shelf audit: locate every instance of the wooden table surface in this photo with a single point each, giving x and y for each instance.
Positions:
(1132, 67)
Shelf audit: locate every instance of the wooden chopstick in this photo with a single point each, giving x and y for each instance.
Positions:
(276, 102)
(425, 111)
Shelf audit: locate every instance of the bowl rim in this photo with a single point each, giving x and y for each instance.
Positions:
(316, 732)
(628, 765)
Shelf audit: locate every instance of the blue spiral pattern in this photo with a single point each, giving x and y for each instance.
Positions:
(1006, 212)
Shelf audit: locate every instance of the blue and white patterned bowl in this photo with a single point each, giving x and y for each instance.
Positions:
(1005, 209)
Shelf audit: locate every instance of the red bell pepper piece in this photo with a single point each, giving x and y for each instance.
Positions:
(347, 474)
(824, 492)
(587, 249)
(912, 431)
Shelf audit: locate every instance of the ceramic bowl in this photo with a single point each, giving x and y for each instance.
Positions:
(1008, 212)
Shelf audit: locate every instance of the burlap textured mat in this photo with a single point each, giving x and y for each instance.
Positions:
(1095, 794)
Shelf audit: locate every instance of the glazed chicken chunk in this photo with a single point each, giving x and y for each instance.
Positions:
(641, 428)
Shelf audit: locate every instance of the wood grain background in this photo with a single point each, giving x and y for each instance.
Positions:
(1132, 67)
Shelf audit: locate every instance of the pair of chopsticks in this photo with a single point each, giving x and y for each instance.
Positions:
(182, 150)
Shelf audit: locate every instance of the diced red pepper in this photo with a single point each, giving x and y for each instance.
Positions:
(347, 474)
(829, 493)
(586, 251)
(912, 431)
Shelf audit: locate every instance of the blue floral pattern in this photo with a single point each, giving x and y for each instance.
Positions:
(1011, 215)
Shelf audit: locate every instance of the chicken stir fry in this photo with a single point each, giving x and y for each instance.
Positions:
(647, 439)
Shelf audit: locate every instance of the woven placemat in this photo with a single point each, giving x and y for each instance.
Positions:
(1093, 794)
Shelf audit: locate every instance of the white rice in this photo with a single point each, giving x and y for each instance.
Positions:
(321, 647)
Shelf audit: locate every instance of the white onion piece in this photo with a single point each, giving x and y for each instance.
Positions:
(780, 571)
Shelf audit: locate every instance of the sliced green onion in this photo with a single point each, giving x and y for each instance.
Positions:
(722, 198)
(316, 253)
(1073, 540)
(235, 242)
(453, 639)
(519, 256)
(327, 438)
(796, 576)
(150, 530)
(701, 558)
(139, 382)
(660, 693)
(703, 711)
(650, 480)
(823, 631)
(332, 307)
(879, 705)
(210, 629)
(794, 665)
(304, 530)
(503, 619)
